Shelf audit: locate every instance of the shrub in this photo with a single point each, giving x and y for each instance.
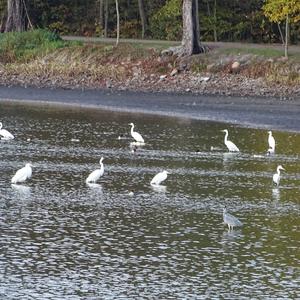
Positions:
(166, 23)
(24, 46)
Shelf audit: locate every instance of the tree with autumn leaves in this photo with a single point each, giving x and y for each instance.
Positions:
(279, 11)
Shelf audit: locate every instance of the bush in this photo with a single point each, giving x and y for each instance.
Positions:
(166, 23)
(24, 46)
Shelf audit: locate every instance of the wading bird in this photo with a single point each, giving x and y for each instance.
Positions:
(231, 220)
(159, 178)
(276, 176)
(137, 137)
(5, 135)
(230, 145)
(22, 174)
(95, 175)
(271, 142)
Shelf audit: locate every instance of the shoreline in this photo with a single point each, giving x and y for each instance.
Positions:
(256, 112)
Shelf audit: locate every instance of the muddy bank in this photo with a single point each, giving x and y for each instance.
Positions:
(149, 69)
(269, 113)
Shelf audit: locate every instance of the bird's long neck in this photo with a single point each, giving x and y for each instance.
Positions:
(226, 135)
(132, 126)
(278, 171)
(0, 125)
(101, 165)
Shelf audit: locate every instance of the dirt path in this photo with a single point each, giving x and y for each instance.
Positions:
(252, 112)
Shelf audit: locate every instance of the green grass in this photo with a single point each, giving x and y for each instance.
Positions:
(265, 52)
(261, 52)
(25, 46)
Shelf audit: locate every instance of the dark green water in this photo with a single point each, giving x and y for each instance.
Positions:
(62, 239)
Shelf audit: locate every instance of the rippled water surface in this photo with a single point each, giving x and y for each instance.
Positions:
(62, 239)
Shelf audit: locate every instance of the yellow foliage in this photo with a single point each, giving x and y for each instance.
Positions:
(279, 10)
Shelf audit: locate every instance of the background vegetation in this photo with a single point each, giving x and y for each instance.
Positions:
(222, 20)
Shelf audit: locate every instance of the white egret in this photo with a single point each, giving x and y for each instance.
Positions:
(22, 174)
(230, 145)
(5, 135)
(137, 137)
(160, 177)
(95, 175)
(271, 142)
(276, 176)
(231, 220)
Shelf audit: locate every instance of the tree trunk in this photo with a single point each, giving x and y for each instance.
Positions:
(286, 36)
(143, 17)
(281, 35)
(118, 23)
(215, 22)
(3, 21)
(106, 18)
(101, 23)
(191, 33)
(16, 20)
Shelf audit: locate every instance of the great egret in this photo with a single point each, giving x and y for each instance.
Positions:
(5, 135)
(271, 142)
(22, 174)
(231, 220)
(137, 137)
(160, 177)
(230, 145)
(95, 175)
(276, 176)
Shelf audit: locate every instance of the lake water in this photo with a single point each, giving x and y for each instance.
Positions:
(62, 239)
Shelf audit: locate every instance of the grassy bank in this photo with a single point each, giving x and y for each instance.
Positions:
(42, 58)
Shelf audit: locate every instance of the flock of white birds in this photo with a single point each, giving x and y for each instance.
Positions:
(26, 172)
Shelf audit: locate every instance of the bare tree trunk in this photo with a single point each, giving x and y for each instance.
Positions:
(286, 36)
(215, 22)
(191, 33)
(16, 16)
(118, 22)
(101, 23)
(143, 17)
(281, 35)
(105, 18)
(3, 21)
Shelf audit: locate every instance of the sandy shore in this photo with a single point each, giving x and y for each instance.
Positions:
(269, 113)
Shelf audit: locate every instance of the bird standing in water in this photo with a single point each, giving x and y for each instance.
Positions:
(137, 137)
(5, 135)
(276, 176)
(271, 142)
(95, 175)
(159, 178)
(230, 145)
(231, 220)
(22, 174)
